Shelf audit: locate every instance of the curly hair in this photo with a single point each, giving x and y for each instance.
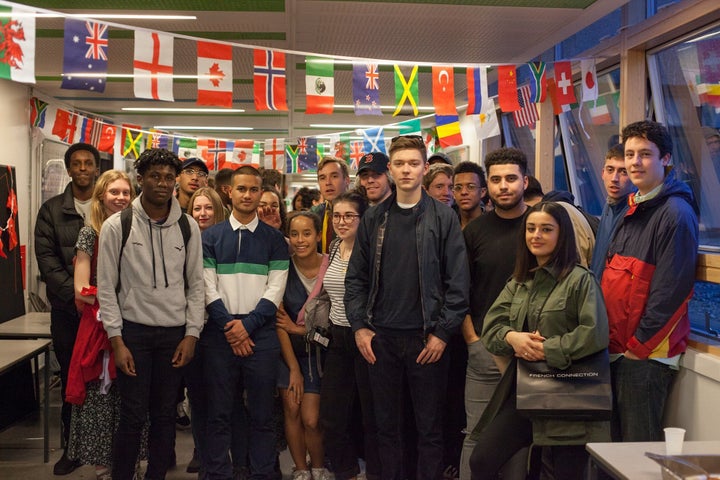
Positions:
(652, 131)
(504, 156)
(157, 156)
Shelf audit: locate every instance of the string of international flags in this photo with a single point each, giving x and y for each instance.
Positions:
(85, 61)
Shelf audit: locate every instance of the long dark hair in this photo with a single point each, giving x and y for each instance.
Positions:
(563, 259)
(354, 197)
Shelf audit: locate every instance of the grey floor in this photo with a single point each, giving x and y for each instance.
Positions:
(21, 450)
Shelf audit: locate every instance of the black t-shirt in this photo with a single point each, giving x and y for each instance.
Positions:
(397, 305)
(491, 244)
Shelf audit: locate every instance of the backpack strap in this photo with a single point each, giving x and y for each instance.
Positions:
(126, 217)
(185, 230)
(316, 289)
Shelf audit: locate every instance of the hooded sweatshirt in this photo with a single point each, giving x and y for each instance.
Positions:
(152, 285)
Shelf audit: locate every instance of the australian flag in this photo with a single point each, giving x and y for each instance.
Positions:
(85, 56)
(307, 154)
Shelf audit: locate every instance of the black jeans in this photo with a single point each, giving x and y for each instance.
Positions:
(63, 328)
(345, 379)
(396, 358)
(152, 392)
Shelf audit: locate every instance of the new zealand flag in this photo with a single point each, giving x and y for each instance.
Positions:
(85, 56)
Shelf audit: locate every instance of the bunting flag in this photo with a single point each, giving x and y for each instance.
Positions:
(443, 85)
(158, 139)
(410, 127)
(538, 84)
(18, 46)
(340, 146)
(475, 86)
(356, 153)
(589, 80)
(600, 114)
(214, 152)
(85, 59)
(307, 154)
(528, 114)
(564, 90)
(319, 85)
(430, 138)
(275, 154)
(507, 88)
(448, 130)
(374, 140)
(153, 65)
(38, 108)
(708, 52)
(65, 125)
(488, 125)
(215, 74)
(269, 85)
(366, 89)
(90, 130)
(291, 158)
(107, 138)
(244, 152)
(185, 147)
(406, 91)
(553, 93)
(132, 141)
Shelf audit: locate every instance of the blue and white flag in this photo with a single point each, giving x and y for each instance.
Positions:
(85, 56)
(374, 140)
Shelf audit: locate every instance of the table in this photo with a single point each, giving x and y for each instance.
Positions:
(13, 352)
(627, 460)
(30, 325)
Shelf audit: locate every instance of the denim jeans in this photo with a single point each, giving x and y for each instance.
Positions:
(396, 359)
(640, 389)
(480, 382)
(345, 379)
(63, 329)
(224, 372)
(153, 391)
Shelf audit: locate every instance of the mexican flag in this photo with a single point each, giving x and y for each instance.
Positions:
(17, 44)
(319, 85)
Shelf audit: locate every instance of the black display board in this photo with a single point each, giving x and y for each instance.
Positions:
(11, 281)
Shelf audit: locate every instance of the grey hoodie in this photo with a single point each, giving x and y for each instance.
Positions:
(152, 287)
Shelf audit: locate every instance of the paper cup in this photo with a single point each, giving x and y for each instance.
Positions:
(674, 441)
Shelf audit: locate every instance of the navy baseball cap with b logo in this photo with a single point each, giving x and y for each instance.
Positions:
(375, 161)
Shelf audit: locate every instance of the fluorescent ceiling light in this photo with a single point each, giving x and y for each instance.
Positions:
(385, 107)
(183, 110)
(364, 127)
(100, 16)
(132, 75)
(202, 128)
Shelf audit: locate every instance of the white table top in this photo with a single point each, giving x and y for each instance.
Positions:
(627, 460)
(30, 325)
(13, 352)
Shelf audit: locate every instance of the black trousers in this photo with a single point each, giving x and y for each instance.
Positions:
(63, 328)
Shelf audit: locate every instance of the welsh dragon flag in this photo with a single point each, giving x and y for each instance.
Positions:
(17, 50)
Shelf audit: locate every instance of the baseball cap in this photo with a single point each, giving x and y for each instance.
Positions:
(438, 157)
(192, 161)
(375, 161)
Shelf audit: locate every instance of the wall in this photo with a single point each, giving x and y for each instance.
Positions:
(15, 141)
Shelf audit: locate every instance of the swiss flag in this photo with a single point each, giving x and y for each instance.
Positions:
(564, 90)
(215, 75)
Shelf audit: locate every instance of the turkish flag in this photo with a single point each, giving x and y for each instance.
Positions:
(443, 85)
(507, 88)
(564, 90)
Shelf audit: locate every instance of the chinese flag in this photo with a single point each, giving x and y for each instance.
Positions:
(507, 88)
(443, 85)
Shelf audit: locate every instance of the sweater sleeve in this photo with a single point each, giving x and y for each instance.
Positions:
(108, 276)
(274, 289)
(456, 280)
(217, 311)
(194, 311)
(497, 322)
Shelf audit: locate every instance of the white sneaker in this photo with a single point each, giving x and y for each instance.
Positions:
(322, 474)
(301, 475)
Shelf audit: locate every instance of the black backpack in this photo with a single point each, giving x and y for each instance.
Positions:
(126, 217)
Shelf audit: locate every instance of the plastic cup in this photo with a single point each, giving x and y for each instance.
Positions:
(674, 440)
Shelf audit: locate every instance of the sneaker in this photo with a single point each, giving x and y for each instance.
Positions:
(182, 421)
(194, 465)
(65, 466)
(302, 475)
(322, 474)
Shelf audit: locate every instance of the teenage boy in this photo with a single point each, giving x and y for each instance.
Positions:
(406, 293)
(246, 266)
(193, 175)
(647, 283)
(618, 187)
(150, 286)
(491, 241)
(333, 179)
(374, 178)
(56, 230)
(469, 189)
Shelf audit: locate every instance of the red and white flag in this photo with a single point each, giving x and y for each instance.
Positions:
(215, 75)
(589, 80)
(153, 65)
(269, 83)
(275, 154)
(242, 153)
(564, 90)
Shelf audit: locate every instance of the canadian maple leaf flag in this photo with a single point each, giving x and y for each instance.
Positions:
(215, 78)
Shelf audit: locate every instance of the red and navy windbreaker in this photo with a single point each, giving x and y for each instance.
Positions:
(650, 273)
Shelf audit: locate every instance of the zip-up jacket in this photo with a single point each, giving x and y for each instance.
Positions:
(56, 231)
(442, 263)
(153, 290)
(650, 273)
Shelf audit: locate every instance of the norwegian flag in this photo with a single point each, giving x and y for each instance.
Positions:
(269, 84)
(356, 153)
(214, 152)
(527, 115)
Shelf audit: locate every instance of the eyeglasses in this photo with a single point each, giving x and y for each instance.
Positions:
(409, 137)
(346, 217)
(192, 171)
(471, 187)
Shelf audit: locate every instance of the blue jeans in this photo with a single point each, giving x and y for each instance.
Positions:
(224, 372)
(640, 389)
(152, 391)
(396, 355)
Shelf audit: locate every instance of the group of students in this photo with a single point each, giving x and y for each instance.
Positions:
(421, 310)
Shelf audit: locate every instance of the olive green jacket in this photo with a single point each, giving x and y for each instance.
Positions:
(571, 315)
